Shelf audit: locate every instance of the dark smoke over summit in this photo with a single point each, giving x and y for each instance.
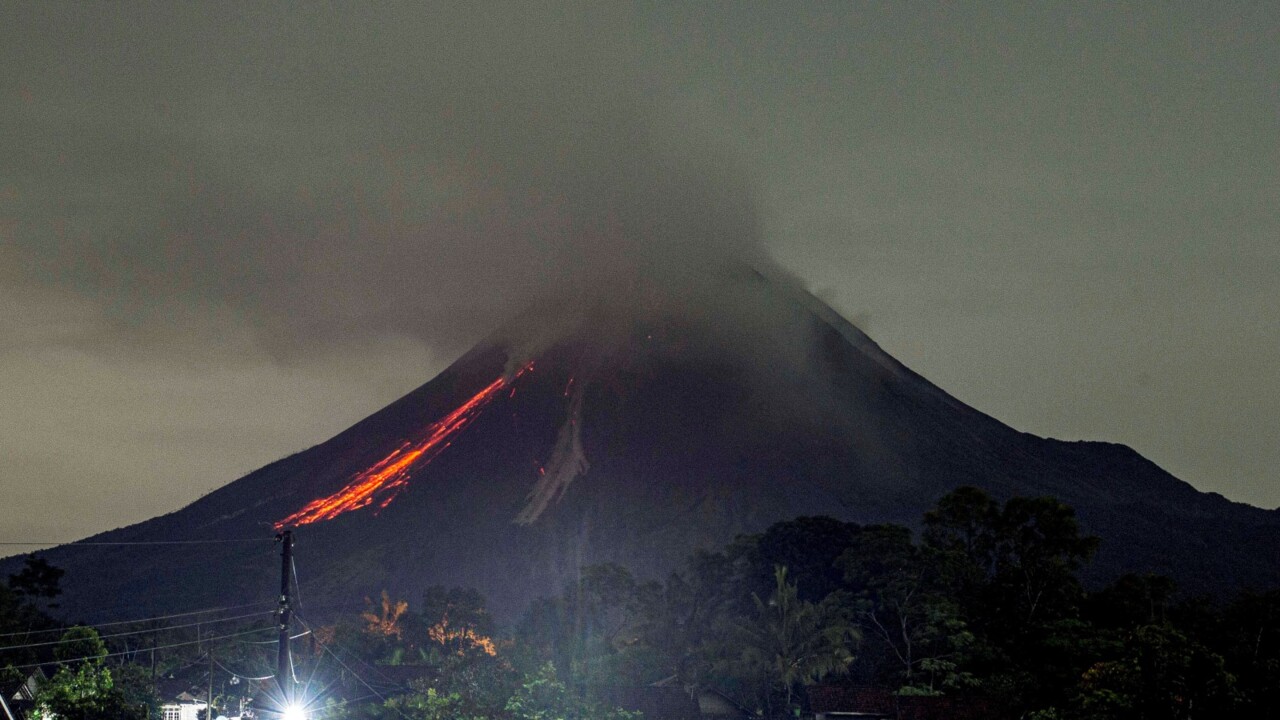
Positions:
(482, 169)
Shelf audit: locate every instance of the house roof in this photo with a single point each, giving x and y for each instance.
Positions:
(17, 697)
(867, 701)
(845, 699)
(11, 709)
(172, 689)
(656, 702)
(712, 703)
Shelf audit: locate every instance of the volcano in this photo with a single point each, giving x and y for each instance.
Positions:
(636, 437)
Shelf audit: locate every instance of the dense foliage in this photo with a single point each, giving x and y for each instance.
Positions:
(983, 602)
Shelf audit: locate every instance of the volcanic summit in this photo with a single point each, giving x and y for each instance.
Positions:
(581, 434)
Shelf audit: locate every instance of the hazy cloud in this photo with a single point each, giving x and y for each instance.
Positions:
(1065, 215)
(430, 179)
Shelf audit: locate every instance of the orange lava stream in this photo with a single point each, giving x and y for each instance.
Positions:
(386, 479)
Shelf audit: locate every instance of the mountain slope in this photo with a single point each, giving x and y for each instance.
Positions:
(636, 438)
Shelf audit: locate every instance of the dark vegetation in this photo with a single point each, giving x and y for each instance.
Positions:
(984, 604)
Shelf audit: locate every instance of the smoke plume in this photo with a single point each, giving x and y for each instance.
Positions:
(466, 172)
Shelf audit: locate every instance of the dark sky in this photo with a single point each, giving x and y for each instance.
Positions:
(229, 231)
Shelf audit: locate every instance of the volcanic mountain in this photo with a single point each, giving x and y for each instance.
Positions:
(636, 437)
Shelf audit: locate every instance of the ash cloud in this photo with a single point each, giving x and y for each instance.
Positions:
(327, 182)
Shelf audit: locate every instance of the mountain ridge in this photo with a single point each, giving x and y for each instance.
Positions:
(644, 446)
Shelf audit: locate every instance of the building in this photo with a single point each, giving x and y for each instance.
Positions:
(835, 702)
(18, 700)
(182, 706)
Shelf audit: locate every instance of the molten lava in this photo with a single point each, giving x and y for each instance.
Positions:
(386, 479)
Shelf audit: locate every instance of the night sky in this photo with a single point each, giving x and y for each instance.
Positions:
(229, 231)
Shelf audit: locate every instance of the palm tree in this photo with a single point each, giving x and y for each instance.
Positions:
(791, 642)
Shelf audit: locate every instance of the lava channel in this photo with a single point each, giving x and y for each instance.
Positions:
(385, 480)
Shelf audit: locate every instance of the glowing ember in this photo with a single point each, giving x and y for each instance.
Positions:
(385, 480)
(462, 637)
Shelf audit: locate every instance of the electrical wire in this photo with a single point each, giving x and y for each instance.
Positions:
(272, 642)
(345, 649)
(137, 650)
(141, 632)
(94, 543)
(306, 689)
(347, 701)
(297, 587)
(354, 674)
(297, 601)
(141, 620)
(242, 676)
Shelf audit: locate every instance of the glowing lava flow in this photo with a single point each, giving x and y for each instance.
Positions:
(385, 480)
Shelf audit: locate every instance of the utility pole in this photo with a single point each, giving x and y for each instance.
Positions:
(284, 663)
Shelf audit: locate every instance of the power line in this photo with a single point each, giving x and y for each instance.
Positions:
(273, 642)
(306, 689)
(141, 632)
(242, 676)
(140, 620)
(139, 542)
(342, 647)
(347, 701)
(130, 652)
(297, 587)
(354, 674)
(329, 704)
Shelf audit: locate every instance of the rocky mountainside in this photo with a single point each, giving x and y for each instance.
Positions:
(635, 439)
